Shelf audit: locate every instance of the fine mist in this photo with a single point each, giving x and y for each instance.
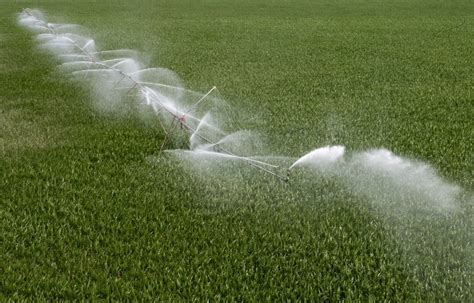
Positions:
(399, 183)
(390, 181)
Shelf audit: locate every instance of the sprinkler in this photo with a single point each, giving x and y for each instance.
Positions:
(79, 53)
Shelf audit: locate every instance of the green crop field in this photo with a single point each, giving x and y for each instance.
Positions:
(91, 209)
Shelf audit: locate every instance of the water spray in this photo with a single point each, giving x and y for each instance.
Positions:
(80, 54)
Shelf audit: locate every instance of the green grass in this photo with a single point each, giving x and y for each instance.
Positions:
(90, 209)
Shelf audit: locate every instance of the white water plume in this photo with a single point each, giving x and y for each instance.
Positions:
(205, 133)
(321, 157)
(388, 180)
(384, 176)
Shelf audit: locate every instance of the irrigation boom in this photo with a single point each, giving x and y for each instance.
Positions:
(90, 59)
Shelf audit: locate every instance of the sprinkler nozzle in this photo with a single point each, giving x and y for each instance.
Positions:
(287, 175)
